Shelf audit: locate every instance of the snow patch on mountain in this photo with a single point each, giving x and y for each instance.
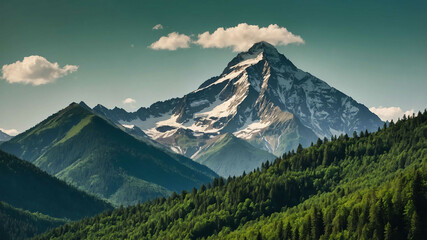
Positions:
(147, 124)
(231, 75)
(250, 59)
(251, 129)
(221, 109)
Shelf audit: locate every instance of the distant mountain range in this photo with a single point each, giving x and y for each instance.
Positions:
(260, 97)
(4, 137)
(88, 152)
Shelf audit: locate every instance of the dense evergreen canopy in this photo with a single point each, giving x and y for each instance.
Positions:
(20, 224)
(25, 186)
(369, 186)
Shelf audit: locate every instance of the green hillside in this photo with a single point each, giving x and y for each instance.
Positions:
(370, 186)
(231, 156)
(88, 152)
(20, 224)
(25, 186)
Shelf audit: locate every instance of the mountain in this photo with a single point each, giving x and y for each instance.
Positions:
(224, 154)
(4, 137)
(20, 224)
(88, 152)
(25, 186)
(261, 97)
(370, 186)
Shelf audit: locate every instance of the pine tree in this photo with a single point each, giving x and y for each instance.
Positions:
(415, 229)
(326, 157)
(299, 148)
(355, 135)
(388, 232)
(319, 142)
(317, 226)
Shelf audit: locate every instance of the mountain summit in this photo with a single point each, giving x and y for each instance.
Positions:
(268, 51)
(261, 97)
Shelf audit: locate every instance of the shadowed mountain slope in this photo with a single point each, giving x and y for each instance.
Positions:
(88, 152)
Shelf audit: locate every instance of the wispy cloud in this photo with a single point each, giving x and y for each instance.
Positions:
(239, 38)
(129, 101)
(158, 27)
(10, 132)
(35, 70)
(172, 42)
(390, 113)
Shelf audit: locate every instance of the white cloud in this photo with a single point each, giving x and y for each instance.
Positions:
(158, 27)
(172, 42)
(389, 113)
(10, 132)
(35, 70)
(129, 101)
(240, 38)
(243, 36)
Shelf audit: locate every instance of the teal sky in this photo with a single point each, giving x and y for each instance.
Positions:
(374, 51)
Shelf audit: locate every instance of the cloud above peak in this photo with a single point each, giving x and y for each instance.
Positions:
(239, 38)
(129, 101)
(35, 70)
(390, 113)
(243, 36)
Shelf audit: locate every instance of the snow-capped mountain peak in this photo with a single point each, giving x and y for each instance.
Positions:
(260, 96)
(261, 55)
(260, 51)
